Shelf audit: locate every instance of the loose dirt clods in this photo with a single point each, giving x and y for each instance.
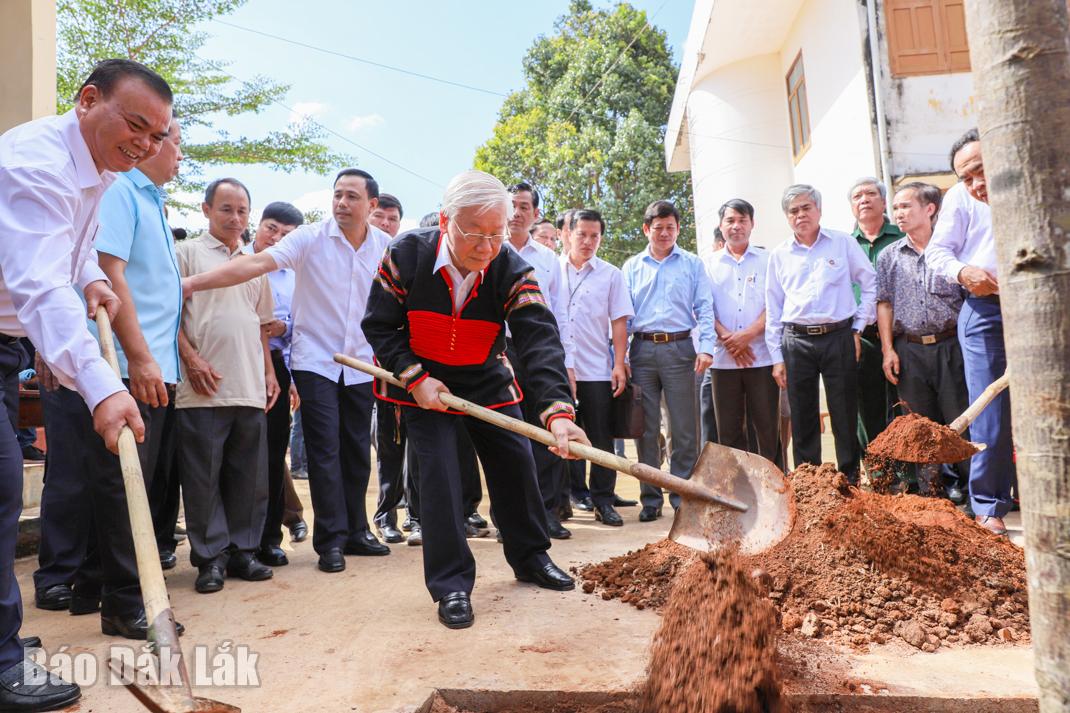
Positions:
(641, 578)
(862, 568)
(715, 651)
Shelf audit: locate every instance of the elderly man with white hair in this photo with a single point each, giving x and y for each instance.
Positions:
(436, 318)
(813, 326)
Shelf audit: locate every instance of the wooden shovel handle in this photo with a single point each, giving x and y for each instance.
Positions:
(974, 410)
(150, 573)
(645, 473)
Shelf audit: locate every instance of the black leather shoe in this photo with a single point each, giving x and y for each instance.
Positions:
(332, 560)
(649, 513)
(272, 556)
(168, 560)
(364, 543)
(407, 524)
(585, 503)
(619, 502)
(84, 600)
(54, 598)
(210, 579)
(390, 534)
(131, 627)
(548, 576)
(478, 521)
(416, 536)
(455, 610)
(606, 515)
(555, 529)
(246, 566)
(30, 642)
(474, 533)
(299, 531)
(28, 687)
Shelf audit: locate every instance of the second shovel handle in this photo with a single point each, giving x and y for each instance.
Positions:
(974, 410)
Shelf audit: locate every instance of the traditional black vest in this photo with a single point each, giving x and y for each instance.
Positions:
(415, 332)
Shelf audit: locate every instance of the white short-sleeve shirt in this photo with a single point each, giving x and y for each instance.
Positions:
(331, 287)
(594, 295)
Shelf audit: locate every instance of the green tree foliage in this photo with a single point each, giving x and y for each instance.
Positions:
(160, 34)
(588, 127)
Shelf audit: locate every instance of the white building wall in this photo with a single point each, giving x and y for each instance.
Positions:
(925, 116)
(736, 122)
(842, 145)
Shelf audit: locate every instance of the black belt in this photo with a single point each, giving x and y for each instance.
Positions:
(994, 299)
(816, 330)
(931, 338)
(276, 352)
(663, 337)
(8, 339)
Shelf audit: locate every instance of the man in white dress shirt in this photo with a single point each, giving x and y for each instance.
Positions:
(813, 326)
(334, 262)
(553, 472)
(53, 173)
(742, 372)
(598, 310)
(963, 250)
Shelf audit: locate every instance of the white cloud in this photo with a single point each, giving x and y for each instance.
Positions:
(365, 121)
(306, 110)
(315, 200)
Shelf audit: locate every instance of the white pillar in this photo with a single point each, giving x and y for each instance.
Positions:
(737, 119)
(28, 56)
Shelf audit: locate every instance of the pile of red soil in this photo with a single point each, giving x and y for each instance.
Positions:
(440, 706)
(915, 439)
(862, 568)
(642, 578)
(715, 650)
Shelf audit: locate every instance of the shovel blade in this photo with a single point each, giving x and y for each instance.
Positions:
(746, 477)
(166, 699)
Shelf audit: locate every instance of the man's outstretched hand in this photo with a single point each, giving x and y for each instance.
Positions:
(566, 431)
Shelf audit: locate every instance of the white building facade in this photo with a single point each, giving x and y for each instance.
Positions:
(775, 92)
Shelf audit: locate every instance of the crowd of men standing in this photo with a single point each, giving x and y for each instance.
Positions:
(223, 337)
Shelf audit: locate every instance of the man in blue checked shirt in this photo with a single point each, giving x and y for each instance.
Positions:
(671, 296)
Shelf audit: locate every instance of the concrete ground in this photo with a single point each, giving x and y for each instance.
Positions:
(367, 639)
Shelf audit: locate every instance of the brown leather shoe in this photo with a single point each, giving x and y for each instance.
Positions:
(991, 523)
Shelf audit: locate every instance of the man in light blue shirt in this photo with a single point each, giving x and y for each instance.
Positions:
(276, 222)
(671, 296)
(813, 327)
(742, 373)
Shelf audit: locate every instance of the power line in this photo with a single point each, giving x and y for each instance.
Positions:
(363, 60)
(336, 134)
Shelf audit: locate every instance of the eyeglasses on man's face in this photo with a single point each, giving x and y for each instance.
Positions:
(495, 239)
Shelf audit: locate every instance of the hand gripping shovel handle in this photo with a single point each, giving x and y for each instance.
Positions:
(974, 410)
(153, 589)
(652, 476)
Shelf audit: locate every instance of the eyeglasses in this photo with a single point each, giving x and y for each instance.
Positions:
(495, 239)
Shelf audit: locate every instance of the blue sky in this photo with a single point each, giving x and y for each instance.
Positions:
(430, 128)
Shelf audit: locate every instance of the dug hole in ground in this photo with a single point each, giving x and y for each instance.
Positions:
(367, 639)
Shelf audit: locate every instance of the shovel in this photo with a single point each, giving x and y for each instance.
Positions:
(162, 632)
(729, 496)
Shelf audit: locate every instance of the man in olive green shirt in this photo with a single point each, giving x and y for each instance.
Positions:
(874, 232)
